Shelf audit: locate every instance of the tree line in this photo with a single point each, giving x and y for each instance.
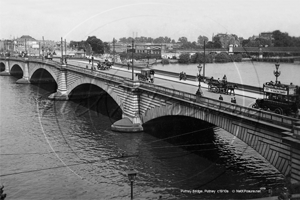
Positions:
(280, 39)
(222, 57)
(183, 41)
(94, 45)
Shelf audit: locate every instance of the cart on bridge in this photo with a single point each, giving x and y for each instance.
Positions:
(217, 86)
(146, 75)
(103, 66)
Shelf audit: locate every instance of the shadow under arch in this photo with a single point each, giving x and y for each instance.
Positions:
(16, 71)
(2, 67)
(99, 84)
(43, 73)
(42, 78)
(185, 132)
(96, 99)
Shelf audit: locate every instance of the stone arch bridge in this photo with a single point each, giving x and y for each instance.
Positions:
(275, 137)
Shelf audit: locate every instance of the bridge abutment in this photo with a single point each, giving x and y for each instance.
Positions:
(62, 92)
(7, 71)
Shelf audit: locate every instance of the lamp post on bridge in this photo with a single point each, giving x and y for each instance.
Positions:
(148, 55)
(114, 50)
(132, 49)
(131, 176)
(43, 48)
(277, 73)
(199, 91)
(204, 62)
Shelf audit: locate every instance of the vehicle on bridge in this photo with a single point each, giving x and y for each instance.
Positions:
(221, 86)
(280, 98)
(49, 56)
(216, 86)
(108, 63)
(182, 76)
(103, 66)
(146, 75)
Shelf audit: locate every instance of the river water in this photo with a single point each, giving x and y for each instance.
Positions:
(65, 150)
(248, 73)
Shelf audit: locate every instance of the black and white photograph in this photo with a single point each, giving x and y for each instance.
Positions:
(149, 99)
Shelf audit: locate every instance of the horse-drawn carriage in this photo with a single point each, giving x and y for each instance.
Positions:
(146, 75)
(103, 66)
(221, 86)
(108, 63)
(182, 76)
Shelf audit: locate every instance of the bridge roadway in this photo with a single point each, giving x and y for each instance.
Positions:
(242, 97)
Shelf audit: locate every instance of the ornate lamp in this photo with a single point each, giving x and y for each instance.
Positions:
(277, 73)
(148, 56)
(131, 176)
(199, 69)
(132, 49)
(199, 78)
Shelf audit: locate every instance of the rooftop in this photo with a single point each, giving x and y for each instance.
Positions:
(26, 37)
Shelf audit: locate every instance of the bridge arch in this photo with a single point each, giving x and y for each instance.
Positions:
(13, 63)
(35, 67)
(17, 70)
(100, 84)
(176, 109)
(229, 123)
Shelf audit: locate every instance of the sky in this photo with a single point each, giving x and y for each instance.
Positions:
(107, 19)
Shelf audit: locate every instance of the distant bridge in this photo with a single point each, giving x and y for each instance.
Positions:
(286, 50)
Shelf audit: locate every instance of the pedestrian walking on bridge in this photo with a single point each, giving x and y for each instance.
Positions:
(221, 98)
(233, 100)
